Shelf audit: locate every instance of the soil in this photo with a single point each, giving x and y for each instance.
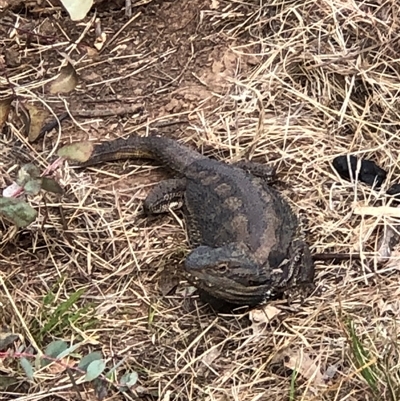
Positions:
(287, 83)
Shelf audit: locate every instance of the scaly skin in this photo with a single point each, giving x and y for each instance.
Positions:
(243, 232)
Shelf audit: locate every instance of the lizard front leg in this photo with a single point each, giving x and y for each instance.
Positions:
(168, 194)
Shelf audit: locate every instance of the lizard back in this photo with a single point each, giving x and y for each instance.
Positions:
(226, 205)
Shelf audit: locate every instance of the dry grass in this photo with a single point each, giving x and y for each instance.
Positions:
(289, 83)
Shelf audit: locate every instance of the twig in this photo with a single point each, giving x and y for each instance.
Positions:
(118, 111)
(339, 256)
(73, 382)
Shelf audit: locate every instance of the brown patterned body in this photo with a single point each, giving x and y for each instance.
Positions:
(243, 232)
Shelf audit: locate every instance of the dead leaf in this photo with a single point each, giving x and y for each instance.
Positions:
(37, 118)
(186, 291)
(385, 307)
(261, 316)
(388, 240)
(3, 5)
(264, 314)
(394, 260)
(66, 81)
(7, 381)
(209, 358)
(77, 9)
(92, 53)
(167, 282)
(101, 36)
(214, 4)
(78, 151)
(305, 365)
(100, 40)
(6, 339)
(61, 365)
(5, 105)
(25, 117)
(331, 371)
(51, 185)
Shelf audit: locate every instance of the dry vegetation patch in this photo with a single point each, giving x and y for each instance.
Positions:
(290, 83)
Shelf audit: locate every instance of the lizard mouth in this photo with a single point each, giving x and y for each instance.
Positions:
(229, 275)
(230, 290)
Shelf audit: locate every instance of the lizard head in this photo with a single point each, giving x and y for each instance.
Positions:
(229, 274)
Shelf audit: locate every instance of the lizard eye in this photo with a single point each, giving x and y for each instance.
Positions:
(222, 268)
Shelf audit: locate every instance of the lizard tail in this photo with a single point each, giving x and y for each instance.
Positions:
(164, 150)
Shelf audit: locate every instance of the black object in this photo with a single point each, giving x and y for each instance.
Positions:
(369, 172)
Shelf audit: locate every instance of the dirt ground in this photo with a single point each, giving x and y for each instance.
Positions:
(289, 83)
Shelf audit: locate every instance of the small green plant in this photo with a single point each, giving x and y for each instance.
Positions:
(363, 359)
(30, 181)
(292, 389)
(92, 368)
(56, 318)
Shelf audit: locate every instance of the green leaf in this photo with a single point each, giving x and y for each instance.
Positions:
(88, 359)
(110, 374)
(63, 308)
(129, 379)
(69, 351)
(49, 298)
(33, 187)
(26, 173)
(17, 211)
(95, 369)
(28, 369)
(362, 357)
(73, 317)
(29, 179)
(78, 151)
(53, 350)
(51, 185)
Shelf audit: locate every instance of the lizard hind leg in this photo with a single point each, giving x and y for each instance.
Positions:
(166, 195)
(298, 277)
